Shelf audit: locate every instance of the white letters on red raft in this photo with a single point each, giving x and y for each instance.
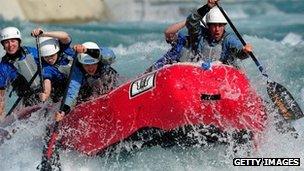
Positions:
(142, 85)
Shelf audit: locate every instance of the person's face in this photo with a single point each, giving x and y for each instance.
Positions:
(217, 30)
(11, 46)
(51, 59)
(90, 69)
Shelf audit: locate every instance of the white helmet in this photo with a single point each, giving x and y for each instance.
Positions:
(215, 16)
(92, 56)
(48, 46)
(10, 33)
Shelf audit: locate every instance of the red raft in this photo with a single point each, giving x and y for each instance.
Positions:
(167, 99)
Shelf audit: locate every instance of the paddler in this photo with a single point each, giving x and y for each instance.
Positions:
(57, 58)
(207, 41)
(17, 68)
(91, 77)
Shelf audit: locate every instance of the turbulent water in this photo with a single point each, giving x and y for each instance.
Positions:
(276, 30)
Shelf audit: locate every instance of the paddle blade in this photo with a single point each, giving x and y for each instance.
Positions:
(283, 99)
(45, 166)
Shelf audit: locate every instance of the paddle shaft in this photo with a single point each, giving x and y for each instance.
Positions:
(260, 67)
(40, 69)
(49, 151)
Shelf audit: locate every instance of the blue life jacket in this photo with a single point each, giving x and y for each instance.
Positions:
(20, 71)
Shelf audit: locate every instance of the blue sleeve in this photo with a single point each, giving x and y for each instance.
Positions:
(74, 87)
(51, 73)
(233, 48)
(234, 42)
(63, 46)
(47, 74)
(174, 54)
(66, 49)
(7, 74)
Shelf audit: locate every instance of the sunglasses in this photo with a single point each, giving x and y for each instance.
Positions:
(94, 53)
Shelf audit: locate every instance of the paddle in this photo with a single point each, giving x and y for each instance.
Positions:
(46, 163)
(280, 96)
(40, 69)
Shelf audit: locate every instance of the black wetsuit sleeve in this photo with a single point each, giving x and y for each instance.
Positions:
(66, 109)
(193, 24)
(202, 11)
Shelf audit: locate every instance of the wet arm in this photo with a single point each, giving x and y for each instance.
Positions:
(174, 28)
(62, 36)
(47, 90)
(171, 31)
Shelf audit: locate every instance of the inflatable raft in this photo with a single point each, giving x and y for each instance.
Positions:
(174, 97)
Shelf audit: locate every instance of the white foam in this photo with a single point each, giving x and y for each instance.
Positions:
(292, 39)
(299, 126)
(302, 94)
